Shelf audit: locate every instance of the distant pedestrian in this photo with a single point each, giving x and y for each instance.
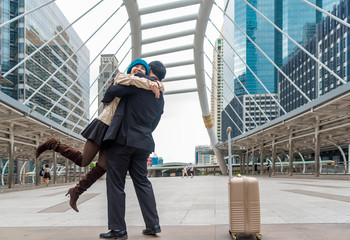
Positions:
(47, 175)
(191, 170)
(184, 171)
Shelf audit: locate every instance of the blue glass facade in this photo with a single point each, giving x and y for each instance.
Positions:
(260, 32)
(330, 45)
(295, 18)
(9, 46)
(299, 22)
(21, 38)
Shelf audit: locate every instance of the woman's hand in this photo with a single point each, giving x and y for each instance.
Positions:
(155, 89)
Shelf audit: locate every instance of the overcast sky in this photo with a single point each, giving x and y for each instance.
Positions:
(181, 127)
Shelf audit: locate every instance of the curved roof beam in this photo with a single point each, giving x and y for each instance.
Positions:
(135, 27)
(201, 26)
(168, 6)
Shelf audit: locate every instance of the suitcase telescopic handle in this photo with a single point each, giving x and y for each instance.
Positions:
(228, 131)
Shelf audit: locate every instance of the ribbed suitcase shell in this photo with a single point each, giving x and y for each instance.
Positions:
(244, 204)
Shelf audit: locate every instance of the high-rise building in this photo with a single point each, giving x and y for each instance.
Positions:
(108, 68)
(217, 85)
(330, 45)
(295, 18)
(217, 89)
(201, 155)
(59, 69)
(261, 32)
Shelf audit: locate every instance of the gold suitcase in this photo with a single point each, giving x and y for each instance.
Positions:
(244, 205)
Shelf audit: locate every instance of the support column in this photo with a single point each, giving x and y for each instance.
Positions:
(75, 173)
(247, 162)
(229, 160)
(261, 158)
(79, 173)
(11, 154)
(273, 156)
(54, 159)
(67, 171)
(349, 159)
(241, 159)
(291, 155)
(37, 163)
(317, 148)
(253, 162)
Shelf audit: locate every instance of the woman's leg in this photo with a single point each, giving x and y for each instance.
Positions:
(102, 158)
(89, 153)
(80, 159)
(90, 178)
(46, 180)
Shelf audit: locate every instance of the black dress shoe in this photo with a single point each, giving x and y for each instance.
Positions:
(151, 230)
(122, 234)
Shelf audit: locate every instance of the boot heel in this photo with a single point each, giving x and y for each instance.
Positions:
(73, 198)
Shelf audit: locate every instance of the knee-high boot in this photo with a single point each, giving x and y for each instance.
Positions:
(65, 150)
(90, 178)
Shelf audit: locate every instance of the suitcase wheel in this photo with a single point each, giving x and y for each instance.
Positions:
(233, 235)
(258, 236)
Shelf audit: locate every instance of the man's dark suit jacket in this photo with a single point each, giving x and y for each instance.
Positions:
(136, 117)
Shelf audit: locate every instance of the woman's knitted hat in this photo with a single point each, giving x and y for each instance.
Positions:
(138, 61)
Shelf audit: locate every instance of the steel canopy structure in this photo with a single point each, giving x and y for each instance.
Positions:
(22, 128)
(320, 123)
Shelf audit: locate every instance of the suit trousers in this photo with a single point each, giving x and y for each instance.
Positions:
(119, 160)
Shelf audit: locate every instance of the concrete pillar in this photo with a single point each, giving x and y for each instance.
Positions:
(37, 163)
(291, 155)
(241, 161)
(261, 158)
(67, 170)
(80, 173)
(54, 159)
(75, 173)
(253, 162)
(273, 157)
(11, 154)
(349, 159)
(317, 148)
(247, 162)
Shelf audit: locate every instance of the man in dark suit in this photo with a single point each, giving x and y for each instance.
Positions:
(132, 143)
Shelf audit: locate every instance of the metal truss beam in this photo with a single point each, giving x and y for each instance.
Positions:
(168, 6)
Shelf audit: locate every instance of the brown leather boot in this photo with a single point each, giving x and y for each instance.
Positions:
(65, 150)
(71, 153)
(50, 144)
(90, 178)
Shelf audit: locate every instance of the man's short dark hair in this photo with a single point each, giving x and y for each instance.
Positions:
(158, 69)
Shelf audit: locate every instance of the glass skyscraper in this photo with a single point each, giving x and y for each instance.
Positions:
(21, 38)
(262, 34)
(330, 45)
(295, 18)
(299, 22)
